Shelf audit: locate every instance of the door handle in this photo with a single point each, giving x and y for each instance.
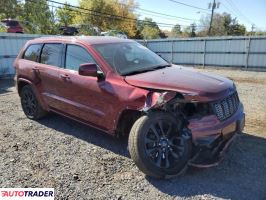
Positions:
(36, 69)
(64, 76)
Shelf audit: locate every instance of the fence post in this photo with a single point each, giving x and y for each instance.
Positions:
(204, 53)
(247, 51)
(172, 52)
(146, 43)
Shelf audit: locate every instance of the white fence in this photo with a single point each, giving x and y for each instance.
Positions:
(10, 45)
(244, 52)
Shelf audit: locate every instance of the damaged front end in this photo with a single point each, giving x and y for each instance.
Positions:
(211, 126)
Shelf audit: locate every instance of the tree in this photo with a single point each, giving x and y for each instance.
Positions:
(10, 8)
(148, 29)
(167, 33)
(258, 33)
(65, 15)
(223, 24)
(218, 25)
(2, 28)
(108, 15)
(150, 32)
(176, 31)
(186, 32)
(232, 27)
(38, 17)
(162, 34)
(237, 29)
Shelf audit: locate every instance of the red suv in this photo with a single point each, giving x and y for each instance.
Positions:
(175, 117)
(13, 26)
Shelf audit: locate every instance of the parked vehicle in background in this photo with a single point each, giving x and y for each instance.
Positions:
(174, 116)
(13, 26)
(114, 33)
(68, 30)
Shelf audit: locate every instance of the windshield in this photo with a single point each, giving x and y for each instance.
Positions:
(130, 57)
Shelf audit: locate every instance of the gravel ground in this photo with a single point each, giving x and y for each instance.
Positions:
(83, 163)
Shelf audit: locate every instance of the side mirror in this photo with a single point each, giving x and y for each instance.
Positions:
(88, 69)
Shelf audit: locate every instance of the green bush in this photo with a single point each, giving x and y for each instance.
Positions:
(2, 29)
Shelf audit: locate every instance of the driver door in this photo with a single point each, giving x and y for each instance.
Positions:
(81, 96)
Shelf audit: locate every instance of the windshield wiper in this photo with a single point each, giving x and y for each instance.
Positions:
(147, 70)
(137, 72)
(160, 66)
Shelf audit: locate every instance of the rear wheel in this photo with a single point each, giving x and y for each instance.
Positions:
(30, 104)
(159, 145)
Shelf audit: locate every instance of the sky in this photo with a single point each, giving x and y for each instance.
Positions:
(247, 12)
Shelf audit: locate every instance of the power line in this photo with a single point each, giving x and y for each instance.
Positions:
(103, 14)
(155, 12)
(240, 11)
(233, 12)
(112, 15)
(188, 5)
(107, 15)
(155, 15)
(235, 8)
(159, 13)
(229, 9)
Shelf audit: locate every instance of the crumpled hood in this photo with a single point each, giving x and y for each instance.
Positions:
(193, 85)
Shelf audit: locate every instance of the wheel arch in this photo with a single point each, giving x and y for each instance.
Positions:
(126, 120)
(23, 82)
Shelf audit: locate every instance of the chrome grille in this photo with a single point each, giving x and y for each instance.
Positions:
(225, 108)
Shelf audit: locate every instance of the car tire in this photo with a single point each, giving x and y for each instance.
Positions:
(30, 105)
(150, 151)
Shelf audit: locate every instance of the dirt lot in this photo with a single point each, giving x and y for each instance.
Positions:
(83, 163)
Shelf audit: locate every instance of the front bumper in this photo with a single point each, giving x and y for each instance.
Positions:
(211, 137)
(210, 127)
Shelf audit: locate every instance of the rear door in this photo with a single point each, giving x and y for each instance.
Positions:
(27, 66)
(48, 69)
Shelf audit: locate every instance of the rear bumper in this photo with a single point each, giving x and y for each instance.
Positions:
(211, 138)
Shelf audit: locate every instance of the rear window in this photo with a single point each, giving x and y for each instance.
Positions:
(52, 54)
(32, 52)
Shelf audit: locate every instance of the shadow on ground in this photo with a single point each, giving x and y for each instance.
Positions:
(241, 175)
(86, 133)
(6, 85)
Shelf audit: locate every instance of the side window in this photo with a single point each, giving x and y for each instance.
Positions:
(52, 54)
(76, 55)
(32, 52)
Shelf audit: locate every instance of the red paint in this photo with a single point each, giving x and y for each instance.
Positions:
(194, 85)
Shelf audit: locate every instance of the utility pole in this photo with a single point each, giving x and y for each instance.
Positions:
(252, 29)
(213, 6)
(193, 30)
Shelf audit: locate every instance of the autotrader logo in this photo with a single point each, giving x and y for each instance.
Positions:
(27, 193)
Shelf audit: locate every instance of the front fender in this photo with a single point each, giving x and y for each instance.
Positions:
(156, 100)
